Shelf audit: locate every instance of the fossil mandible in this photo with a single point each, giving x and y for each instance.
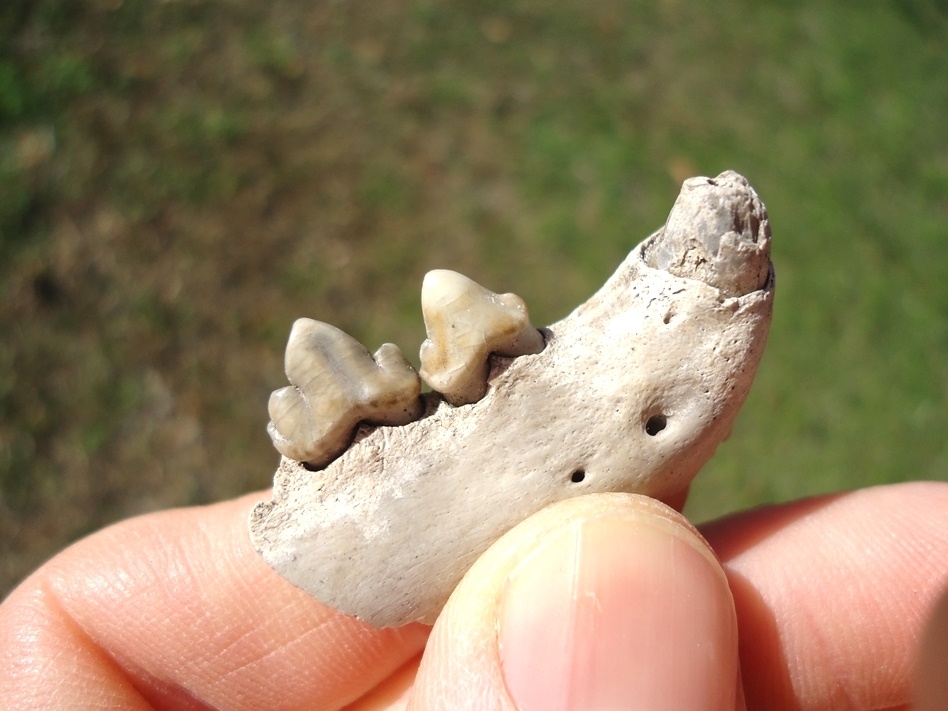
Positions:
(632, 392)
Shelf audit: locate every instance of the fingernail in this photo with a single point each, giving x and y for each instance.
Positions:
(615, 613)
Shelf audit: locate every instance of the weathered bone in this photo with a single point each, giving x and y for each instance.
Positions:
(466, 323)
(633, 392)
(337, 383)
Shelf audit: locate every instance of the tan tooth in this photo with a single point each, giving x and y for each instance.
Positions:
(335, 384)
(466, 323)
(632, 392)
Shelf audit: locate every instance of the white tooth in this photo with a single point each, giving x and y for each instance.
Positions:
(335, 384)
(632, 393)
(466, 323)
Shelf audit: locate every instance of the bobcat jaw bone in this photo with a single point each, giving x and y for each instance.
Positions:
(631, 392)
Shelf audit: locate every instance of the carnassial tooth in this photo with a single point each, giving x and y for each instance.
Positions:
(466, 323)
(335, 384)
(632, 393)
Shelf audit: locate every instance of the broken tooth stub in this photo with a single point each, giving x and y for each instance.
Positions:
(466, 323)
(335, 384)
(718, 231)
(632, 392)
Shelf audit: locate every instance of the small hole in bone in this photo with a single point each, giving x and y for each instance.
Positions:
(668, 317)
(655, 424)
(577, 476)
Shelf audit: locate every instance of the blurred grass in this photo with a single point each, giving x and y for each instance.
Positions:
(180, 180)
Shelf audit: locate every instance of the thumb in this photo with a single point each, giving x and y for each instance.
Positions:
(609, 601)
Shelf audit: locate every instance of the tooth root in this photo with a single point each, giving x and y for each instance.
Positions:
(465, 324)
(335, 384)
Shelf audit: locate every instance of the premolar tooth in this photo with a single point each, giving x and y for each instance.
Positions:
(335, 384)
(465, 324)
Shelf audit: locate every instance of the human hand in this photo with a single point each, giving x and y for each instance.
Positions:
(608, 601)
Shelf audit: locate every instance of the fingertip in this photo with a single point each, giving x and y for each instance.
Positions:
(597, 602)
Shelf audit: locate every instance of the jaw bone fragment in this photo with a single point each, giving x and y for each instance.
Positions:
(336, 383)
(633, 392)
(465, 324)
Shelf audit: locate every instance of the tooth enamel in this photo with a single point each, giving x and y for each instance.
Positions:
(335, 384)
(466, 323)
(632, 392)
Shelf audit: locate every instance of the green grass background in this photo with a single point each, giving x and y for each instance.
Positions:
(179, 180)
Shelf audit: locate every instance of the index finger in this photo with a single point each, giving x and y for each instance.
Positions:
(177, 610)
(832, 594)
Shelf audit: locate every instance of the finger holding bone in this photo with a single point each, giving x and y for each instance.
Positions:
(466, 323)
(335, 384)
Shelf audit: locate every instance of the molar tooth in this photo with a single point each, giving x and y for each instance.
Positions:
(465, 324)
(335, 384)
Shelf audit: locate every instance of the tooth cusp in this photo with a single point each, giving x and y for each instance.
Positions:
(465, 324)
(335, 383)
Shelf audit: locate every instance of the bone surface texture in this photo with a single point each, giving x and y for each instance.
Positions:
(632, 392)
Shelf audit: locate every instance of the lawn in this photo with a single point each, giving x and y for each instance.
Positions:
(179, 180)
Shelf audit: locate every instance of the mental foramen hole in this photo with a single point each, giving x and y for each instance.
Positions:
(578, 476)
(655, 424)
